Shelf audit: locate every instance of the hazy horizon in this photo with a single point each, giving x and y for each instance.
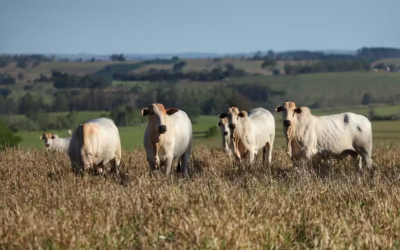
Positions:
(223, 27)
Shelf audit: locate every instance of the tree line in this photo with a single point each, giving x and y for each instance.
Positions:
(155, 75)
(369, 54)
(23, 61)
(327, 66)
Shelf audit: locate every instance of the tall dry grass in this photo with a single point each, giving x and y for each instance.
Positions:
(44, 205)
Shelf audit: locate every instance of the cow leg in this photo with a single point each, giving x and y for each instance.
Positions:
(366, 158)
(99, 169)
(117, 162)
(178, 168)
(154, 172)
(115, 168)
(185, 160)
(264, 153)
(269, 151)
(168, 165)
(252, 154)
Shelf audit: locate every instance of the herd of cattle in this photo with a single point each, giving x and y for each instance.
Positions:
(168, 136)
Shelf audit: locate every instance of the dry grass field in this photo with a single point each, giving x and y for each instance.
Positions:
(43, 205)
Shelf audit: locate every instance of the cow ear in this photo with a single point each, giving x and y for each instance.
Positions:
(278, 109)
(41, 137)
(297, 110)
(243, 113)
(145, 112)
(171, 111)
(222, 115)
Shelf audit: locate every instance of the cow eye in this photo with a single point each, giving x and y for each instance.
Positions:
(152, 112)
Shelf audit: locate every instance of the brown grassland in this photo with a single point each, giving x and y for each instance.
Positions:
(43, 205)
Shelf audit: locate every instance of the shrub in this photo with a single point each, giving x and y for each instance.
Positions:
(8, 138)
(212, 131)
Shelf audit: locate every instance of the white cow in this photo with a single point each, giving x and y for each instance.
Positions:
(335, 136)
(168, 136)
(53, 142)
(94, 144)
(251, 132)
(227, 144)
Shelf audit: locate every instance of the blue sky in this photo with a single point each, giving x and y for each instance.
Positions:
(173, 26)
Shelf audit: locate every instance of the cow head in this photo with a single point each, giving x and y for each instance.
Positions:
(48, 139)
(233, 116)
(157, 115)
(289, 110)
(224, 126)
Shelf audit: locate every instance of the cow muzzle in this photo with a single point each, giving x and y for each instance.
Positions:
(162, 129)
(225, 133)
(287, 123)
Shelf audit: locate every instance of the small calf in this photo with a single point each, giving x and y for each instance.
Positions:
(53, 142)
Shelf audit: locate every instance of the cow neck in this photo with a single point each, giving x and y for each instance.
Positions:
(294, 132)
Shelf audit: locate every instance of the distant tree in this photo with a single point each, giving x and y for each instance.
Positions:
(7, 79)
(178, 67)
(126, 116)
(175, 58)
(240, 102)
(137, 89)
(60, 103)
(92, 59)
(212, 131)
(268, 63)
(23, 64)
(276, 72)
(366, 99)
(42, 78)
(8, 138)
(41, 118)
(4, 63)
(217, 60)
(257, 56)
(35, 64)
(8, 106)
(21, 76)
(270, 55)
(117, 57)
(28, 87)
(193, 112)
(229, 66)
(28, 104)
(5, 92)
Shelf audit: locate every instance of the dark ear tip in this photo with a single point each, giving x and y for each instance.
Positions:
(298, 110)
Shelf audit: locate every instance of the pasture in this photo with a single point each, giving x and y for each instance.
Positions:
(44, 205)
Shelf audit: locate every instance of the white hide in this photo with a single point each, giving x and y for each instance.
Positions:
(175, 143)
(94, 144)
(53, 142)
(335, 136)
(254, 130)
